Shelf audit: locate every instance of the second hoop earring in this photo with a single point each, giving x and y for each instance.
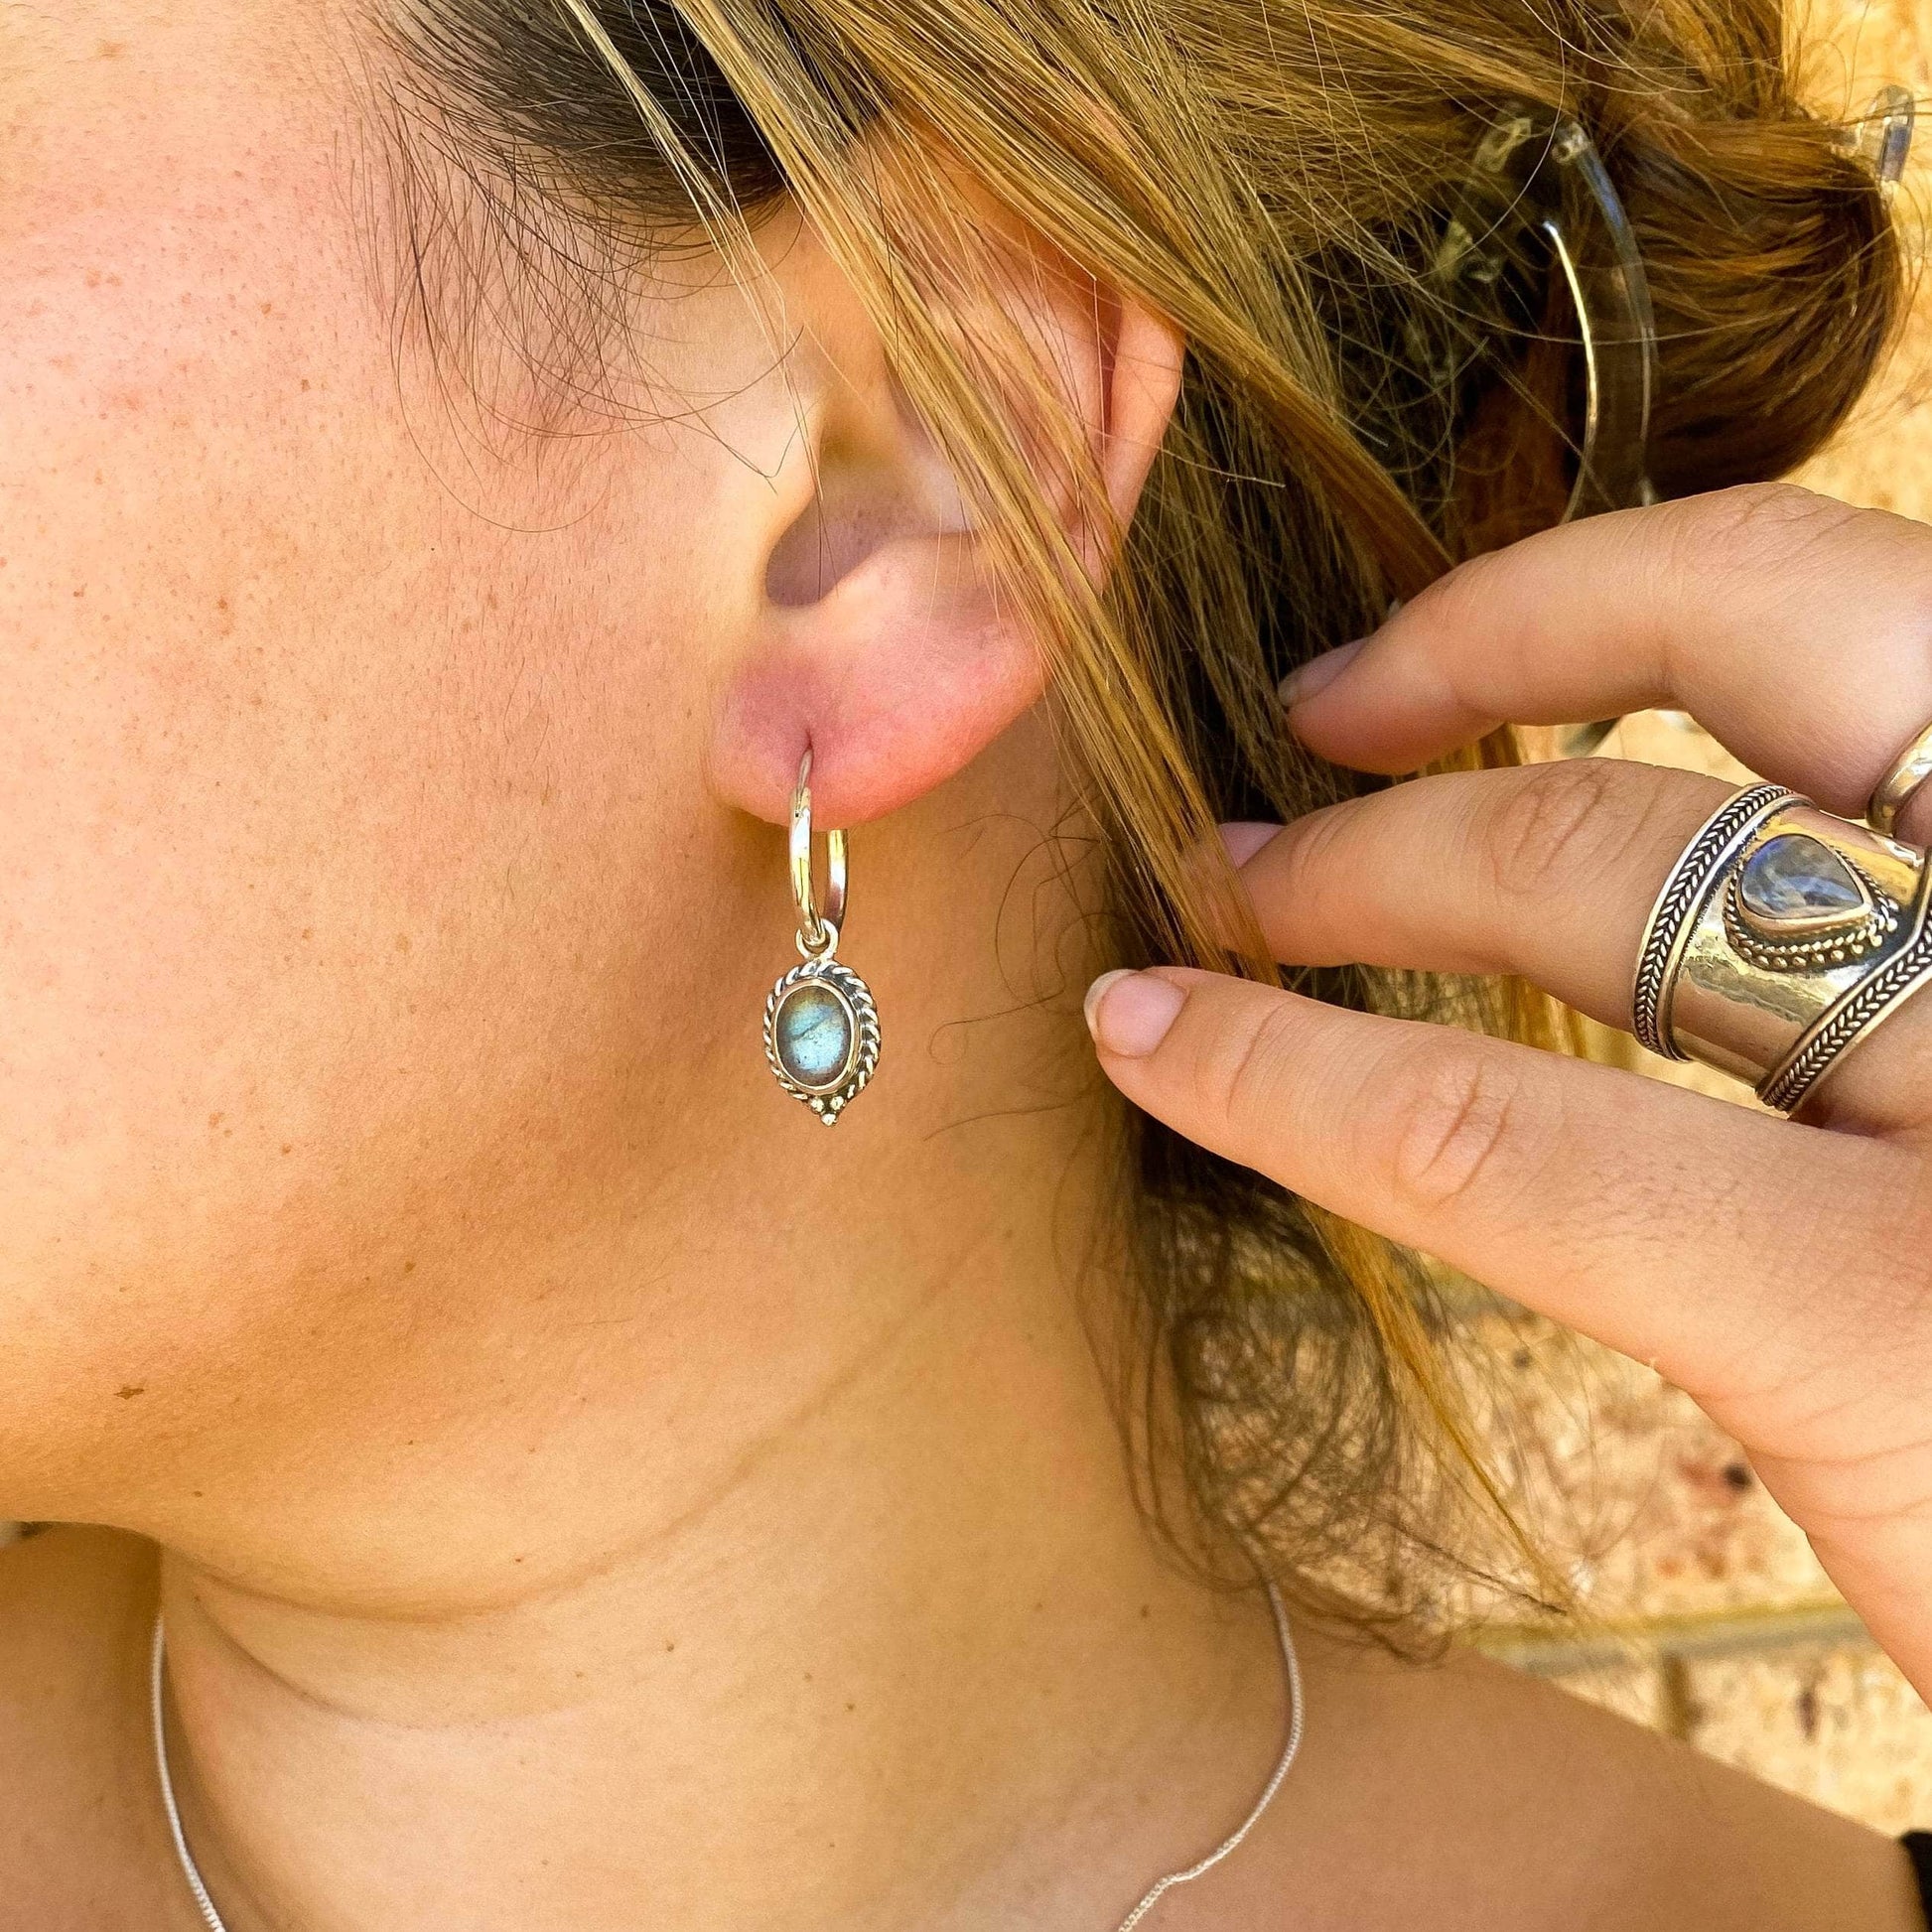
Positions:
(821, 1028)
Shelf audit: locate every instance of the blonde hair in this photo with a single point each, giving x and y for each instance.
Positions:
(1273, 181)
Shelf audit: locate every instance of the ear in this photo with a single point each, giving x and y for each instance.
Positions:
(880, 638)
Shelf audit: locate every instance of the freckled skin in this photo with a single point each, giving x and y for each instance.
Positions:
(594, 1495)
(356, 821)
(278, 795)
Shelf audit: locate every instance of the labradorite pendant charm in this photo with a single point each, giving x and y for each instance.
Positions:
(821, 1028)
(821, 1034)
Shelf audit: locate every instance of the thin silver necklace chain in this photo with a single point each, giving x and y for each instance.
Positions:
(1290, 1667)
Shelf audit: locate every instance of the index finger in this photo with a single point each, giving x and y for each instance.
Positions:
(1797, 631)
(1657, 1221)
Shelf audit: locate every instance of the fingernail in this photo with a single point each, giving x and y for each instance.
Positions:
(1299, 685)
(1128, 1013)
(1244, 838)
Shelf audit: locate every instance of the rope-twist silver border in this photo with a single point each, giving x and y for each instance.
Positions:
(1857, 1011)
(827, 1106)
(1685, 887)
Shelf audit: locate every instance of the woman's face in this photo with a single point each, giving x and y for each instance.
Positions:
(375, 967)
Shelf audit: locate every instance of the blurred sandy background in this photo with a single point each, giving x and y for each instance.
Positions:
(1717, 1625)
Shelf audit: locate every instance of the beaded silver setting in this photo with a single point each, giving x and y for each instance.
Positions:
(1803, 939)
(823, 1000)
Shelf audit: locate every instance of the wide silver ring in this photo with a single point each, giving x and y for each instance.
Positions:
(1782, 936)
(1686, 889)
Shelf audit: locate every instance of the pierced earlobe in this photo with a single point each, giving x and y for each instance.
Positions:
(821, 1026)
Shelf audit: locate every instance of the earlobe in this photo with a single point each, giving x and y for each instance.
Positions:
(898, 677)
(882, 639)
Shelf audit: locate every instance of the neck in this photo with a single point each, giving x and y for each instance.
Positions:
(749, 1541)
(910, 1658)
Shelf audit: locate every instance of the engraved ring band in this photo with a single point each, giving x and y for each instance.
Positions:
(1783, 936)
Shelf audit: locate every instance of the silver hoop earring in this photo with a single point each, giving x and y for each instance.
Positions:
(821, 1028)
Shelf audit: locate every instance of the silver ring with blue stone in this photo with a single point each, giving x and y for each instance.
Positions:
(821, 1026)
(1802, 934)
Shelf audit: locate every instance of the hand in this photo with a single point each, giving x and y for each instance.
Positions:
(1779, 1271)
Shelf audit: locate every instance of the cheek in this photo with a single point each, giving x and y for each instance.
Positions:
(349, 838)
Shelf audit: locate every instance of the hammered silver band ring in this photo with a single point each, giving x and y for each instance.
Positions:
(1782, 936)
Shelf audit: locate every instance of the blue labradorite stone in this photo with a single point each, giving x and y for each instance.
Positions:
(1795, 877)
(813, 1035)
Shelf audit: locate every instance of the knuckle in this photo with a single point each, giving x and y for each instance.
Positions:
(1457, 1126)
(1555, 823)
(1464, 597)
(1752, 526)
(1753, 506)
(1316, 853)
(1239, 1072)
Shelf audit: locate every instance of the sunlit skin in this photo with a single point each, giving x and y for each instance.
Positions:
(1775, 1271)
(594, 1495)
